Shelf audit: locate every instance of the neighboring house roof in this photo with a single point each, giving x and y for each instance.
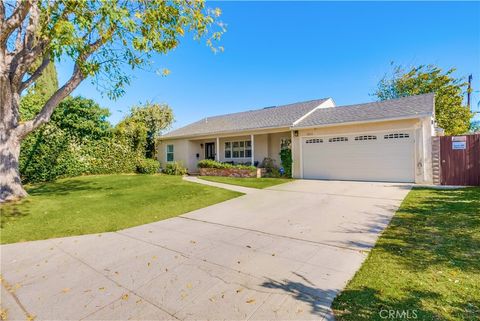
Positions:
(269, 117)
(405, 107)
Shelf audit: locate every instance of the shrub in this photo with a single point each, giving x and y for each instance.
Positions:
(174, 168)
(270, 169)
(147, 166)
(208, 163)
(286, 157)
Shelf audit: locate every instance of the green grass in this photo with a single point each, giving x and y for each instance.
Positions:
(247, 182)
(93, 204)
(427, 260)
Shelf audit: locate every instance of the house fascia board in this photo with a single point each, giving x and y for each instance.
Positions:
(246, 132)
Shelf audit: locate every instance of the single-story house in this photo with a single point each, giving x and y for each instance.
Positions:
(379, 141)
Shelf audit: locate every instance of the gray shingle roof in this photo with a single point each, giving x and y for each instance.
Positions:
(270, 117)
(389, 109)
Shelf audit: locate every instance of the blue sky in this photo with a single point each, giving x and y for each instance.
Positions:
(283, 52)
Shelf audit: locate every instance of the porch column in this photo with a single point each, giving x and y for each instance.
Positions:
(253, 149)
(217, 150)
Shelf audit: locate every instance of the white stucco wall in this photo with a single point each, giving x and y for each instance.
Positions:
(186, 150)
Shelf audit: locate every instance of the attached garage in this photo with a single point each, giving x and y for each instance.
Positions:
(383, 141)
(382, 156)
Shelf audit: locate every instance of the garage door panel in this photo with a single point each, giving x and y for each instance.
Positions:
(376, 160)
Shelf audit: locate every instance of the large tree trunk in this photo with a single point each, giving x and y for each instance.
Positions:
(10, 183)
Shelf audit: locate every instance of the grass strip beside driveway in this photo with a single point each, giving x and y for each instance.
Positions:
(260, 183)
(426, 264)
(94, 204)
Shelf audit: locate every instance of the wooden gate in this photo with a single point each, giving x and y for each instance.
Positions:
(460, 160)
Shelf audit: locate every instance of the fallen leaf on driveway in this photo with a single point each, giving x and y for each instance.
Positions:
(189, 285)
(193, 242)
(65, 290)
(102, 288)
(249, 246)
(250, 301)
(125, 297)
(3, 314)
(239, 290)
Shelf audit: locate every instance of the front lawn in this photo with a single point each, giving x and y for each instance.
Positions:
(247, 182)
(425, 266)
(93, 204)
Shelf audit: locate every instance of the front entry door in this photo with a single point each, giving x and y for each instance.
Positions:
(210, 151)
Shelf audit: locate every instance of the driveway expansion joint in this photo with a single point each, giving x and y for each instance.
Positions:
(275, 235)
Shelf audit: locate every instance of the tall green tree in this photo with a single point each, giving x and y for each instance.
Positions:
(144, 124)
(100, 38)
(450, 112)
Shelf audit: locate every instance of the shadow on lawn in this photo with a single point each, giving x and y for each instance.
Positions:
(64, 188)
(12, 211)
(438, 230)
(368, 304)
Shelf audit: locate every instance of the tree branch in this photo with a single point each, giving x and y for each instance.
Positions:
(47, 110)
(15, 20)
(23, 60)
(2, 12)
(37, 73)
(76, 78)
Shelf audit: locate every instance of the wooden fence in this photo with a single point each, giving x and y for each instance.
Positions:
(460, 160)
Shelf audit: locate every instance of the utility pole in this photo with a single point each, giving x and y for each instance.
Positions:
(469, 90)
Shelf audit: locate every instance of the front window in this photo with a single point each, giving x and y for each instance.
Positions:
(169, 153)
(238, 149)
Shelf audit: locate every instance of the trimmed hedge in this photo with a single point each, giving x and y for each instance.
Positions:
(147, 166)
(208, 163)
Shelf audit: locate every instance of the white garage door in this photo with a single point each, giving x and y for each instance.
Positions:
(386, 156)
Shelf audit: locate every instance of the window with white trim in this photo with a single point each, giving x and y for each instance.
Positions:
(170, 153)
(238, 149)
(314, 141)
(366, 137)
(396, 136)
(338, 139)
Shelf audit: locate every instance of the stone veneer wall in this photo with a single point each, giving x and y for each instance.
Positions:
(231, 172)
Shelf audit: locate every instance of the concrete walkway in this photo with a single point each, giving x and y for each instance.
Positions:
(281, 253)
(236, 188)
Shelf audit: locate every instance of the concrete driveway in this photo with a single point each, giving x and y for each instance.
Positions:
(280, 253)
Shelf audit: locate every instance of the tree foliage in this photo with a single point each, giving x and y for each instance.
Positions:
(55, 150)
(153, 118)
(104, 40)
(450, 112)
